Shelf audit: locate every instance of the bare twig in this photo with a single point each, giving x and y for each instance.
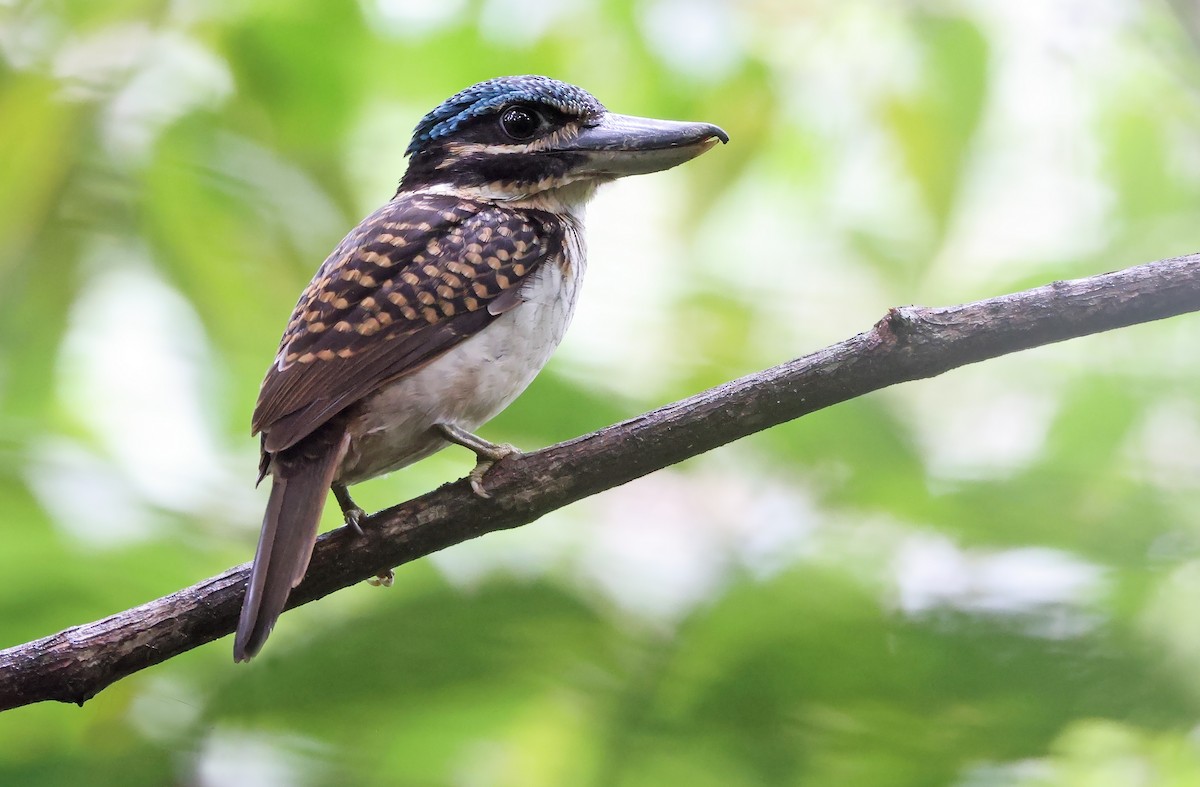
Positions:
(907, 344)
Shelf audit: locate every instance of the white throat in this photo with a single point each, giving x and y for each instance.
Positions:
(570, 199)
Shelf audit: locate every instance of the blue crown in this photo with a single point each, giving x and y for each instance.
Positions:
(485, 97)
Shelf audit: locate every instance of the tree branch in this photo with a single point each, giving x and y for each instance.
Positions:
(907, 344)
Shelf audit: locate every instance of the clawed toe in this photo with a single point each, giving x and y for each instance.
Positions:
(354, 518)
(476, 477)
(495, 453)
(487, 453)
(383, 580)
(350, 511)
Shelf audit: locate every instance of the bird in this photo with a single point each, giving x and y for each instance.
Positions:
(438, 309)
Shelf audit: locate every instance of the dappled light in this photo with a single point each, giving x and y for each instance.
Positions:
(986, 578)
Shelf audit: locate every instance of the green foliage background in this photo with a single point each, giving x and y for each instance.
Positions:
(986, 579)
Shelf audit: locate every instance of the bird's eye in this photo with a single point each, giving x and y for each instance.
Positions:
(519, 122)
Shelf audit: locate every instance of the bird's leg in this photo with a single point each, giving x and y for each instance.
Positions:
(350, 510)
(486, 453)
(354, 516)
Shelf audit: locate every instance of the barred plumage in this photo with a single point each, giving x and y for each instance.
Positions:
(440, 307)
(416, 277)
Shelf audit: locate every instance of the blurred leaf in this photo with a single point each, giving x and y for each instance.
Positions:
(934, 125)
(1101, 752)
(37, 243)
(514, 646)
(855, 161)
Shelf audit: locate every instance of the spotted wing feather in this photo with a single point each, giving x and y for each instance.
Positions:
(417, 277)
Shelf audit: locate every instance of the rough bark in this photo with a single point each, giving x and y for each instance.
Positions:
(907, 344)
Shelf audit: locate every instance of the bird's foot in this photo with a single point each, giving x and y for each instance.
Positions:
(383, 580)
(354, 517)
(350, 510)
(487, 453)
(485, 462)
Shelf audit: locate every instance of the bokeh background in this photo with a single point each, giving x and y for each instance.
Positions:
(991, 578)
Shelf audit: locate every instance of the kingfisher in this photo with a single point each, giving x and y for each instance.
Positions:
(438, 309)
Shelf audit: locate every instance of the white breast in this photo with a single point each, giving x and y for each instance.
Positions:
(474, 381)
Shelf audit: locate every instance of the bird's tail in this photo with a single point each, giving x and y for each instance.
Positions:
(300, 480)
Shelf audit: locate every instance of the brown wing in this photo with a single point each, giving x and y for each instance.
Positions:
(414, 279)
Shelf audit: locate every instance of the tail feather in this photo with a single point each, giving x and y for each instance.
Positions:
(300, 482)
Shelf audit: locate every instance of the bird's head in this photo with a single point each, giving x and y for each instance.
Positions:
(520, 136)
